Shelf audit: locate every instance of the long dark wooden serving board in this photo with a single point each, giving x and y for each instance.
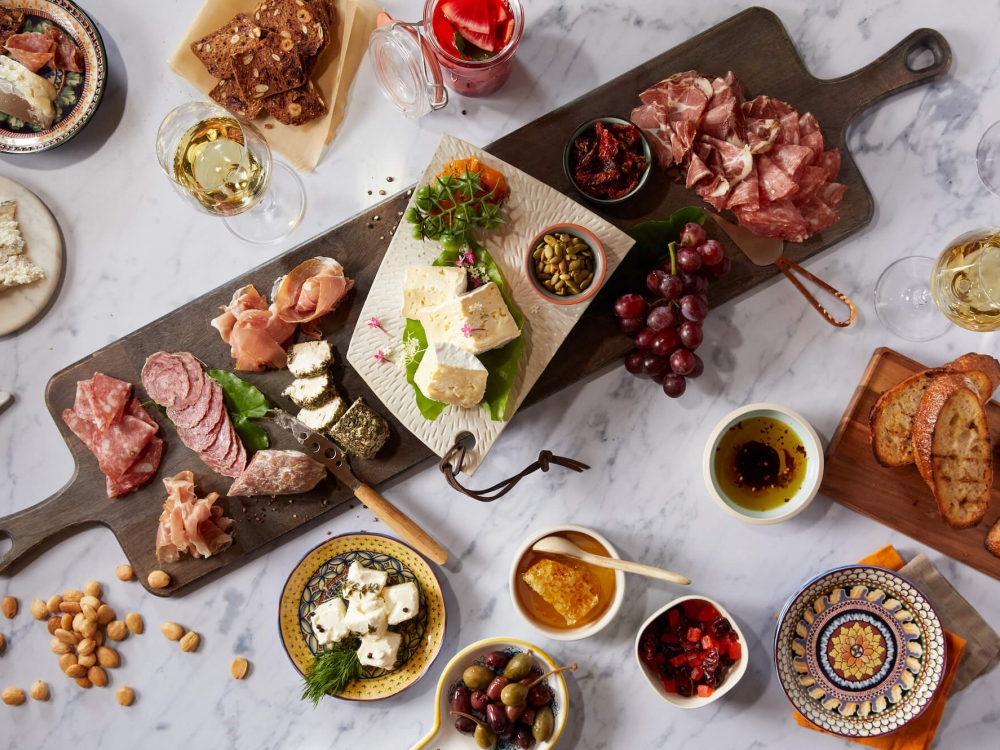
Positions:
(753, 44)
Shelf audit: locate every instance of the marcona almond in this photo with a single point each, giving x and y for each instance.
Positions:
(239, 667)
(134, 622)
(54, 624)
(90, 612)
(67, 621)
(53, 603)
(78, 621)
(84, 683)
(86, 646)
(72, 595)
(116, 630)
(12, 696)
(158, 580)
(107, 657)
(93, 601)
(99, 637)
(76, 671)
(88, 629)
(66, 637)
(190, 642)
(105, 614)
(124, 572)
(97, 676)
(66, 661)
(124, 695)
(59, 647)
(172, 631)
(38, 609)
(87, 660)
(70, 608)
(39, 690)
(3, 643)
(8, 605)
(92, 588)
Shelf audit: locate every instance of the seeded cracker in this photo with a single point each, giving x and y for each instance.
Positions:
(296, 21)
(228, 94)
(269, 69)
(571, 592)
(296, 107)
(362, 431)
(217, 49)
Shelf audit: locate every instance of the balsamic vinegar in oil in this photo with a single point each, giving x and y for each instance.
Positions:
(760, 463)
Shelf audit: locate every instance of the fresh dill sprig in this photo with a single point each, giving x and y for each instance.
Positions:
(332, 670)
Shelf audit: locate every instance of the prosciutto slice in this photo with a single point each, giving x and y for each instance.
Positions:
(311, 290)
(255, 332)
(33, 50)
(190, 524)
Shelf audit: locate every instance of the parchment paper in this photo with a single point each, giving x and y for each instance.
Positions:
(301, 146)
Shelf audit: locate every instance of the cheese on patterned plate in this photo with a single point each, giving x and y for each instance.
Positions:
(427, 286)
(329, 621)
(403, 601)
(477, 321)
(379, 651)
(367, 613)
(364, 580)
(451, 375)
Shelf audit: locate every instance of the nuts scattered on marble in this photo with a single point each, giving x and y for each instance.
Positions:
(39, 691)
(125, 695)
(239, 667)
(172, 631)
(116, 630)
(124, 573)
(12, 696)
(134, 622)
(8, 605)
(158, 580)
(190, 642)
(38, 609)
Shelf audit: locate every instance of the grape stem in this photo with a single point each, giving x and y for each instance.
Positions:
(672, 247)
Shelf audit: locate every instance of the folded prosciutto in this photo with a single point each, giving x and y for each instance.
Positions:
(311, 290)
(759, 158)
(254, 330)
(278, 473)
(117, 430)
(189, 523)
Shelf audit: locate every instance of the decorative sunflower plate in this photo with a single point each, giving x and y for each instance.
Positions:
(78, 94)
(321, 574)
(859, 651)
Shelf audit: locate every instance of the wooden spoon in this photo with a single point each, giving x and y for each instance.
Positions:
(556, 545)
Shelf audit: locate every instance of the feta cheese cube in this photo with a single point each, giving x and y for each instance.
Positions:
(379, 651)
(402, 601)
(329, 621)
(427, 286)
(364, 580)
(476, 322)
(367, 614)
(451, 375)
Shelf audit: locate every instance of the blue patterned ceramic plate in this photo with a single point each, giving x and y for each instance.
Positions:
(320, 575)
(859, 651)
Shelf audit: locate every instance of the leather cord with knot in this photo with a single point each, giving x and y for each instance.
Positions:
(451, 464)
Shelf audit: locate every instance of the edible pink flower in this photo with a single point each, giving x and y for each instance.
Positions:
(468, 330)
(380, 357)
(468, 258)
(374, 323)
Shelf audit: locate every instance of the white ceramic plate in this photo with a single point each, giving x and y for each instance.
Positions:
(532, 206)
(43, 245)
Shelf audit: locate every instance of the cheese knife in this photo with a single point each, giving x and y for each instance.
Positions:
(765, 251)
(330, 455)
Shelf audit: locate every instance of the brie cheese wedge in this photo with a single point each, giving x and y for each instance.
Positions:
(476, 322)
(451, 375)
(427, 286)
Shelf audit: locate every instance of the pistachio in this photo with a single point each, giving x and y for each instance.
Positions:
(39, 691)
(134, 622)
(8, 605)
(124, 572)
(239, 667)
(108, 657)
(172, 631)
(38, 609)
(158, 580)
(12, 696)
(124, 695)
(190, 642)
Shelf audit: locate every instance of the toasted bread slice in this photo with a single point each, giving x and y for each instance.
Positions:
(890, 420)
(951, 444)
(982, 368)
(993, 540)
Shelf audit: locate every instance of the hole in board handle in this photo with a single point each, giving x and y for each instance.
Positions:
(923, 56)
(6, 544)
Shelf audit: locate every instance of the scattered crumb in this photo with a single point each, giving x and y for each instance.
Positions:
(381, 238)
(381, 192)
(399, 213)
(294, 515)
(370, 225)
(409, 192)
(388, 179)
(369, 192)
(269, 126)
(463, 111)
(376, 218)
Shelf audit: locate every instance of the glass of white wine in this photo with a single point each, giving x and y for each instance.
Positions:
(222, 165)
(964, 284)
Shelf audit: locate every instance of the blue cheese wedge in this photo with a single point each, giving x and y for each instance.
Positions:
(323, 418)
(379, 651)
(402, 601)
(427, 286)
(476, 322)
(367, 614)
(310, 358)
(329, 622)
(451, 375)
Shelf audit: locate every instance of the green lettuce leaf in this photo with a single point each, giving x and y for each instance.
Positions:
(244, 402)
(414, 332)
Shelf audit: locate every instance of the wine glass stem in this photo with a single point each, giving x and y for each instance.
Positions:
(921, 297)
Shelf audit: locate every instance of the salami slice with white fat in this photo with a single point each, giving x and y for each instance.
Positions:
(120, 445)
(193, 415)
(165, 379)
(108, 397)
(138, 473)
(82, 428)
(196, 381)
(201, 436)
(278, 473)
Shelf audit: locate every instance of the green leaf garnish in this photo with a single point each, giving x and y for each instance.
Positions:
(160, 409)
(414, 332)
(447, 209)
(332, 670)
(244, 402)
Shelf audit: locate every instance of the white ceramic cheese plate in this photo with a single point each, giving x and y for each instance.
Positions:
(531, 207)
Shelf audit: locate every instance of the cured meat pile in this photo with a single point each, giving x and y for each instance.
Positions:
(53, 49)
(761, 159)
(189, 523)
(278, 473)
(194, 403)
(117, 430)
(258, 333)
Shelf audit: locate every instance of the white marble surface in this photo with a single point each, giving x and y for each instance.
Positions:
(135, 252)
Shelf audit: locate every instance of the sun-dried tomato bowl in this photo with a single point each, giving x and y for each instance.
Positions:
(590, 240)
(569, 160)
(732, 676)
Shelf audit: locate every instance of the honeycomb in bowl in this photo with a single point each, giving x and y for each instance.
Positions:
(572, 592)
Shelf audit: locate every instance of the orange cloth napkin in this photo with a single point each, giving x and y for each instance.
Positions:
(919, 733)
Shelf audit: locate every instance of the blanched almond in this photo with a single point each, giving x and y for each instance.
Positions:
(54, 624)
(172, 631)
(99, 637)
(107, 657)
(67, 621)
(86, 646)
(59, 647)
(12, 696)
(158, 580)
(134, 622)
(84, 683)
(8, 605)
(124, 572)
(53, 603)
(66, 661)
(66, 637)
(92, 588)
(124, 695)
(76, 671)
(116, 630)
(190, 642)
(78, 621)
(38, 609)
(88, 629)
(97, 676)
(89, 612)
(39, 690)
(87, 660)
(239, 667)
(72, 595)
(105, 614)
(70, 608)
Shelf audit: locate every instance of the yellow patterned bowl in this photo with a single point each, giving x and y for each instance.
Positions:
(320, 575)
(444, 736)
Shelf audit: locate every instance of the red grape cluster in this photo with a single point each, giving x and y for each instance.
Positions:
(667, 326)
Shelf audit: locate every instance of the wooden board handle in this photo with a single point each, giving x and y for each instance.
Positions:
(28, 528)
(401, 523)
(890, 74)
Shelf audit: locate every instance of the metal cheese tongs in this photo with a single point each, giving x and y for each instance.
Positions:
(765, 251)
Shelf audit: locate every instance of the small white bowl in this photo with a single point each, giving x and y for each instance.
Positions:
(584, 631)
(735, 673)
(814, 464)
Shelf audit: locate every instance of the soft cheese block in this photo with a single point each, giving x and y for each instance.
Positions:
(451, 375)
(323, 418)
(477, 321)
(310, 358)
(427, 286)
(367, 613)
(25, 95)
(402, 600)
(329, 621)
(364, 580)
(379, 651)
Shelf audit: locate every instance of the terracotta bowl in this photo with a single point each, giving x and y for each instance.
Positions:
(600, 264)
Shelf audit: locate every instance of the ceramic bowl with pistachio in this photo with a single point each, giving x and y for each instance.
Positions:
(565, 264)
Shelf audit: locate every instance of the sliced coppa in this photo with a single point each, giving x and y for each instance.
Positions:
(165, 379)
(274, 472)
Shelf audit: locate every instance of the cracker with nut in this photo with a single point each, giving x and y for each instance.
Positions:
(229, 95)
(296, 107)
(216, 50)
(298, 21)
(268, 70)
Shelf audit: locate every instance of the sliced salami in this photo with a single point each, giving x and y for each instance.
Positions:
(239, 464)
(140, 472)
(137, 410)
(278, 473)
(83, 400)
(165, 379)
(108, 398)
(82, 428)
(196, 381)
(217, 452)
(202, 435)
(120, 445)
(196, 413)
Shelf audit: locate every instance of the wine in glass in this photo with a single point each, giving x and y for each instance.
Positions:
(223, 166)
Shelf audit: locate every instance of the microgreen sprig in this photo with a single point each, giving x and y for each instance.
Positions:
(448, 208)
